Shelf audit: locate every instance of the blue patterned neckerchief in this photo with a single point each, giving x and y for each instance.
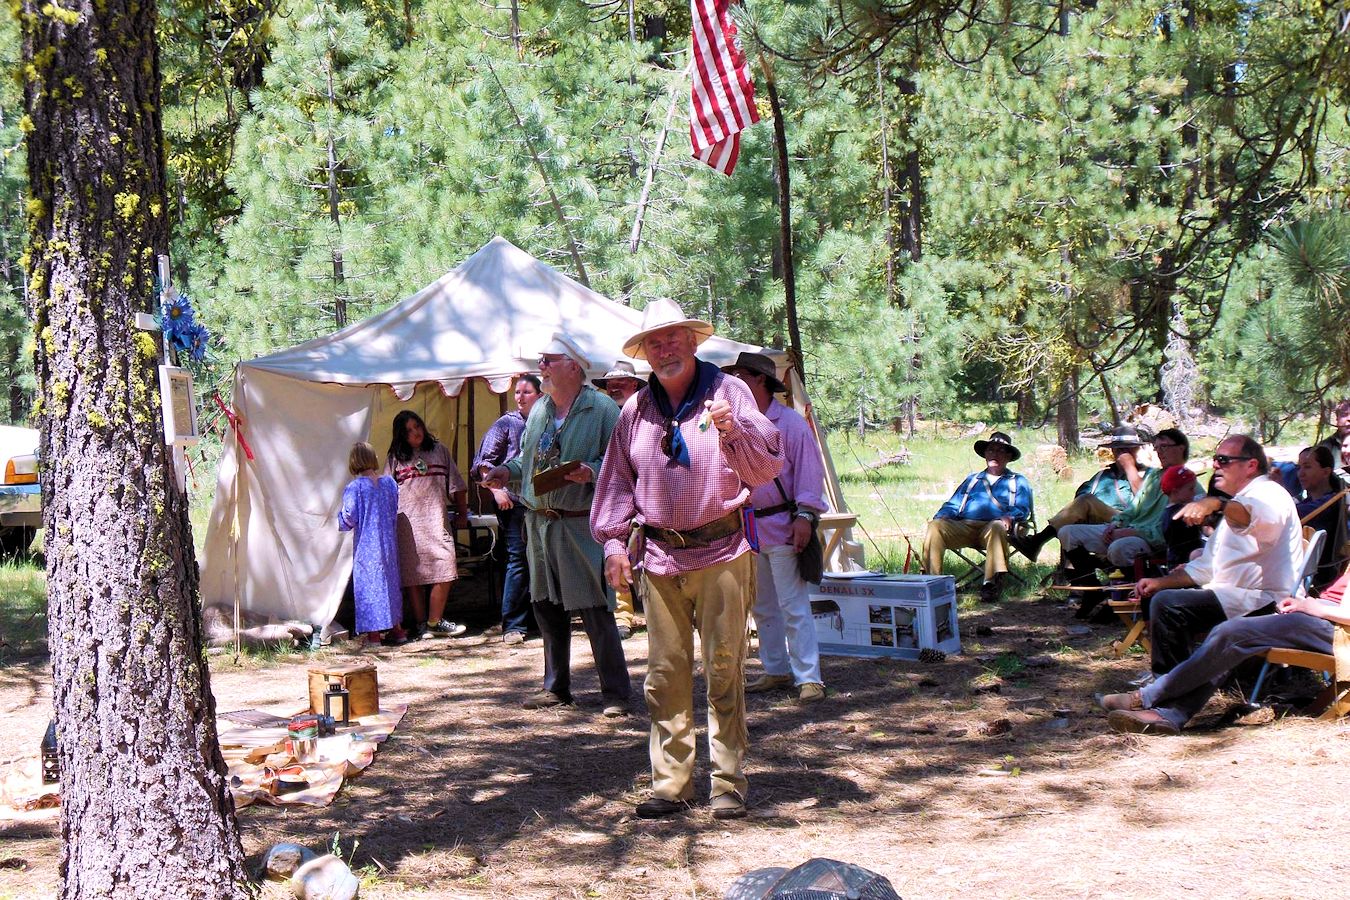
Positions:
(673, 444)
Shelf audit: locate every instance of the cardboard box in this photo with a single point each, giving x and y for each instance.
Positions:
(886, 615)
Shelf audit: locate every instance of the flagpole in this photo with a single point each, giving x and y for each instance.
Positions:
(783, 179)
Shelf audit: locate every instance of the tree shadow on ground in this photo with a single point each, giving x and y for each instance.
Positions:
(472, 786)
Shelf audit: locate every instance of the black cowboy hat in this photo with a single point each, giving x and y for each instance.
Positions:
(998, 439)
(1125, 437)
(760, 365)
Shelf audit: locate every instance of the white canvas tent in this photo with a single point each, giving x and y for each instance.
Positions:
(451, 351)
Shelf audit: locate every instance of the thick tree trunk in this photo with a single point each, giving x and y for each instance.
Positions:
(334, 207)
(909, 182)
(144, 807)
(1066, 414)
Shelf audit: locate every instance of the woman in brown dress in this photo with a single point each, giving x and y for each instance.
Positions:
(427, 480)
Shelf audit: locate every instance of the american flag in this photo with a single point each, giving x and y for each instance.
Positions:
(722, 101)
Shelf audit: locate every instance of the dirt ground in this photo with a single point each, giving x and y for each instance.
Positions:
(936, 775)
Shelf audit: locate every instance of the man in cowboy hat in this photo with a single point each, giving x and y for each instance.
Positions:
(572, 422)
(787, 511)
(682, 460)
(620, 382)
(1099, 499)
(1136, 532)
(981, 513)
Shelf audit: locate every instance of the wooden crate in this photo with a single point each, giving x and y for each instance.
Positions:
(360, 682)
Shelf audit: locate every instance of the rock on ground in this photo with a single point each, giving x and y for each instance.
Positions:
(325, 878)
(280, 862)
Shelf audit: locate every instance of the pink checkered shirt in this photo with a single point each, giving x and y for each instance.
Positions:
(638, 481)
(803, 476)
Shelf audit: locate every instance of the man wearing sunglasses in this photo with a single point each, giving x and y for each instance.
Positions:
(686, 453)
(1251, 562)
(571, 423)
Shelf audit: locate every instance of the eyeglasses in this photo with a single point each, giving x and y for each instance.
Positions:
(1222, 459)
(545, 361)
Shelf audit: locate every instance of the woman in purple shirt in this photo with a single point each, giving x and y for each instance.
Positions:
(500, 443)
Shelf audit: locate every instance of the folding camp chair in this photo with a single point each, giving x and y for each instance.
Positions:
(1131, 610)
(975, 574)
(1303, 659)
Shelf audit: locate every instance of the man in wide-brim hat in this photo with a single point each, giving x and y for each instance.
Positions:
(620, 382)
(679, 469)
(981, 514)
(571, 423)
(1103, 496)
(787, 511)
(1134, 532)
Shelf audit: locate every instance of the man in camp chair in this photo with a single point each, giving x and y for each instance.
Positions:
(981, 513)
(1102, 497)
(1164, 707)
(1250, 565)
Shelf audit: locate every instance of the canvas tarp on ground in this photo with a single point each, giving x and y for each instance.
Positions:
(450, 352)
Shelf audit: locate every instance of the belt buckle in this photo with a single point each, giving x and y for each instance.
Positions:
(551, 514)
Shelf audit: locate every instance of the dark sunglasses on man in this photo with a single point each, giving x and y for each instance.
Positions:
(1223, 459)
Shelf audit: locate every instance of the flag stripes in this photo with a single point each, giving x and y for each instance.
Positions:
(722, 96)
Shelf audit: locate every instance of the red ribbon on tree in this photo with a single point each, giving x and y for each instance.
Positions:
(236, 423)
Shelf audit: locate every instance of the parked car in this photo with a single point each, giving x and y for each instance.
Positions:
(20, 492)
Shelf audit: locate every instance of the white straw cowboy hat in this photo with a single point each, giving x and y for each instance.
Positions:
(621, 369)
(562, 345)
(664, 313)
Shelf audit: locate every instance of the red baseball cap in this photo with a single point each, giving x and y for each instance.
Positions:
(1175, 478)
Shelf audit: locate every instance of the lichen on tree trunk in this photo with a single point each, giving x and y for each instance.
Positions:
(145, 808)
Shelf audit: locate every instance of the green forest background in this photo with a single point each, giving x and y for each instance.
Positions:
(1058, 209)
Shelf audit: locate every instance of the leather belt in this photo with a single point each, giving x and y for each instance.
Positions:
(774, 510)
(695, 538)
(554, 515)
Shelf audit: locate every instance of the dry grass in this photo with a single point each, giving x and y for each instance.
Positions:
(474, 797)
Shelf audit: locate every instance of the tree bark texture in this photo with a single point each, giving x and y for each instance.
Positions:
(145, 811)
(1066, 413)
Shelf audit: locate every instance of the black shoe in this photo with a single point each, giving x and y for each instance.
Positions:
(1031, 546)
(394, 640)
(656, 808)
(990, 592)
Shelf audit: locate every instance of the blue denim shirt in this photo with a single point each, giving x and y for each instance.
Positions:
(976, 499)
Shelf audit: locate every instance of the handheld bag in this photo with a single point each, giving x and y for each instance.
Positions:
(811, 561)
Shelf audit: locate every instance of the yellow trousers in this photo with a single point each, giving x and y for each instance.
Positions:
(1084, 510)
(623, 608)
(944, 534)
(716, 600)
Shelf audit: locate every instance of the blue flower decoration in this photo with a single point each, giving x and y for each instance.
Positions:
(178, 311)
(182, 330)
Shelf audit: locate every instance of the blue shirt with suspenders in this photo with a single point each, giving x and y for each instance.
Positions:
(1009, 495)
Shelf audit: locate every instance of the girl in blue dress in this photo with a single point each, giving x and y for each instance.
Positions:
(370, 511)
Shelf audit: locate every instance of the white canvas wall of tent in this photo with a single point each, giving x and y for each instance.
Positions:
(451, 352)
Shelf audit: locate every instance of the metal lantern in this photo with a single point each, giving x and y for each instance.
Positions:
(337, 695)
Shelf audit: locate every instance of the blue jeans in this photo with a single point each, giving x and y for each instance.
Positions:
(516, 612)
